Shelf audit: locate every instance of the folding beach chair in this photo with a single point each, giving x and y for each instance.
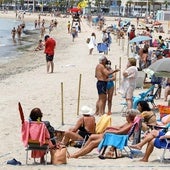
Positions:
(151, 97)
(35, 137)
(167, 147)
(142, 96)
(121, 141)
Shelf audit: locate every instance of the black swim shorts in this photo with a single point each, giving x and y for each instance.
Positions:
(49, 57)
(101, 87)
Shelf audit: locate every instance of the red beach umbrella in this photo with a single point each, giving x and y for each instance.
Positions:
(21, 112)
(74, 10)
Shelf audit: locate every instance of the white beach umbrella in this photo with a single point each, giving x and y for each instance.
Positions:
(161, 67)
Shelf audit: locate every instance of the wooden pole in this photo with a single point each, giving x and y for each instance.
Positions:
(123, 43)
(116, 36)
(62, 105)
(115, 81)
(120, 60)
(78, 104)
(128, 50)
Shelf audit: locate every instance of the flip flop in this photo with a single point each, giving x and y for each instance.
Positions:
(13, 162)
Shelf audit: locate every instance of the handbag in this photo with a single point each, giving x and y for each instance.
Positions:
(59, 155)
(88, 40)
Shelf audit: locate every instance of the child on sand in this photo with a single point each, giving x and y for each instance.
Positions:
(40, 46)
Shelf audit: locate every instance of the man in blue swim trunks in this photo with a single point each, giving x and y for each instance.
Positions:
(102, 74)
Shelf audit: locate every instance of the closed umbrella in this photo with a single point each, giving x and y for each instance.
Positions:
(140, 39)
(21, 112)
(161, 67)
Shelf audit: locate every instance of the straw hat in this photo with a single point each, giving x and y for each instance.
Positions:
(85, 110)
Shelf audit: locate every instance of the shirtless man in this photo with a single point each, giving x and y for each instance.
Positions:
(101, 73)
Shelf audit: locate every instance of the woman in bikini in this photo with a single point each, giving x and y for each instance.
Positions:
(149, 117)
(110, 87)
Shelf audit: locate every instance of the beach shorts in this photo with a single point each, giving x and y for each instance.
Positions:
(110, 84)
(129, 92)
(160, 143)
(101, 87)
(49, 57)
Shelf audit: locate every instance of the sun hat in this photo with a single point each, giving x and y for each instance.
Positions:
(85, 110)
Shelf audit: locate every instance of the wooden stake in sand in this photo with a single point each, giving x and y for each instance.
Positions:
(123, 43)
(128, 49)
(78, 103)
(120, 60)
(62, 105)
(115, 81)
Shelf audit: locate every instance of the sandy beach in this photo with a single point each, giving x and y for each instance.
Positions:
(25, 80)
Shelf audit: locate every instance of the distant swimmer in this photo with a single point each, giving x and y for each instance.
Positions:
(42, 31)
(19, 31)
(13, 32)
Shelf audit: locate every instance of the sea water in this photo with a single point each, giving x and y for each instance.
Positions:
(8, 47)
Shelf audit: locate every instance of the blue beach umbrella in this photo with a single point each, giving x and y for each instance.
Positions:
(140, 39)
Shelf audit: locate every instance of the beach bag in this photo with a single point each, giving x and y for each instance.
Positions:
(88, 40)
(59, 155)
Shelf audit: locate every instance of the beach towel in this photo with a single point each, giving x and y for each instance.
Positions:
(104, 122)
(34, 131)
(111, 139)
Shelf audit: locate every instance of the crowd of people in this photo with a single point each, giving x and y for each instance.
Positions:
(85, 127)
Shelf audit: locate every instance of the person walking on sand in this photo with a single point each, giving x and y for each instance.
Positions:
(92, 43)
(102, 74)
(50, 45)
(73, 33)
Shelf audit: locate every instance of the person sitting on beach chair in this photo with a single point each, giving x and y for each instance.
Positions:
(95, 139)
(148, 116)
(44, 136)
(85, 126)
(156, 138)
